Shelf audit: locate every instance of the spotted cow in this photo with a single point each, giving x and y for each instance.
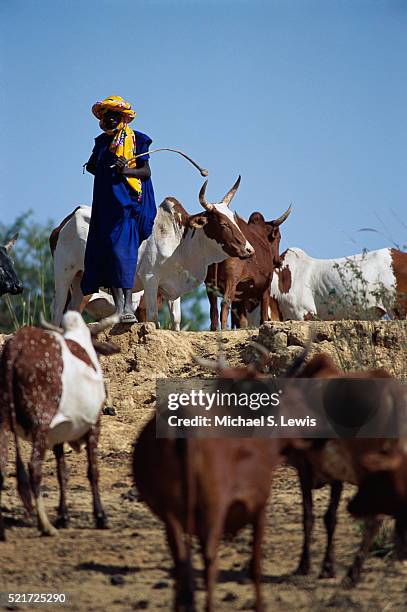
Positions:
(52, 392)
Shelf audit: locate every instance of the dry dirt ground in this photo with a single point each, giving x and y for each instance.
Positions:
(128, 567)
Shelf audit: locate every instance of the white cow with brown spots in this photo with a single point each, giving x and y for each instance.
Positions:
(374, 283)
(53, 392)
(367, 285)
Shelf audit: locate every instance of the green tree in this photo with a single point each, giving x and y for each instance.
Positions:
(33, 263)
(194, 317)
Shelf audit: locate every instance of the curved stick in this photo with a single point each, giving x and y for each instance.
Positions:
(203, 171)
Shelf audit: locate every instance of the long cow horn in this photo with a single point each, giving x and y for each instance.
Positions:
(49, 326)
(231, 193)
(96, 328)
(283, 217)
(202, 200)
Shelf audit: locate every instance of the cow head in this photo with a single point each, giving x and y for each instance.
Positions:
(219, 224)
(9, 281)
(75, 328)
(273, 232)
(275, 236)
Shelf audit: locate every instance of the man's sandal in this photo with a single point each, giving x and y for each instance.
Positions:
(128, 317)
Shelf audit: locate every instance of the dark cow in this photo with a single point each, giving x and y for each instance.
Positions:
(246, 283)
(9, 281)
(207, 488)
(341, 460)
(53, 392)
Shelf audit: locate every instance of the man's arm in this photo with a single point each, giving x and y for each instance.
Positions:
(91, 164)
(143, 172)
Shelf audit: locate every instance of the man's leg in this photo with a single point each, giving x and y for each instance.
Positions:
(128, 304)
(124, 306)
(118, 299)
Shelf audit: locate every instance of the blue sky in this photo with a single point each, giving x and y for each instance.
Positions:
(306, 99)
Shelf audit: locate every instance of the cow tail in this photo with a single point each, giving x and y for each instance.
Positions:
(23, 483)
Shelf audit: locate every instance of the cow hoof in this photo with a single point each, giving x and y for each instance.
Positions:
(348, 582)
(2, 537)
(109, 411)
(327, 572)
(49, 531)
(301, 570)
(62, 522)
(101, 522)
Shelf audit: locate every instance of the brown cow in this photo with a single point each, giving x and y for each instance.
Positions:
(246, 283)
(207, 488)
(337, 461)
(53, 392)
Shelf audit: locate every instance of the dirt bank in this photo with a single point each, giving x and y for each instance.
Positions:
(128, 567)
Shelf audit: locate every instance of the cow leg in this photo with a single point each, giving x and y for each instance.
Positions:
(63, 516)
(213, 306)
(265, 303)
(353, 575)
(62, 284)
(108, 407)
(228, 297)
(174, 307)
(238, 315)
(258, 532)
(35, 468)
(234, 316)
(184, 579)
(150, 298)
(305, 476)
(92, 438)
(401, 537)
(210, 546)
(328, 564)
(76, 295)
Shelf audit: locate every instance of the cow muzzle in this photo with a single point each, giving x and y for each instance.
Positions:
(247, 251)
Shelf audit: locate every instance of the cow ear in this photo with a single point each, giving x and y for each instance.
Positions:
(270, 230)
(198, 221)
(381, 462)
(11, 243)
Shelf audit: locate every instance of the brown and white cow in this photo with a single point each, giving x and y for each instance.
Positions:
(53, 392)
(346, 460)
(175, 258)
(245, 284)
(367, 284)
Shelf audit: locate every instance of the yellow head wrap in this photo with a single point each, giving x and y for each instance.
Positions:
(124, 141)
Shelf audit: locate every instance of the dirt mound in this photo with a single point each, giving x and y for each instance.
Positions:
(351, 344)
(128, 567)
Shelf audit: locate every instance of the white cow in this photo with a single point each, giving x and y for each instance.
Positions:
(366, 285)
(68, 244)
(175, 258)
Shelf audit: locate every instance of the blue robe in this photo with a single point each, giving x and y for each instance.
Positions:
(121, 219)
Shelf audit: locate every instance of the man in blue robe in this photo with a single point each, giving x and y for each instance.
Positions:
(123, 207)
